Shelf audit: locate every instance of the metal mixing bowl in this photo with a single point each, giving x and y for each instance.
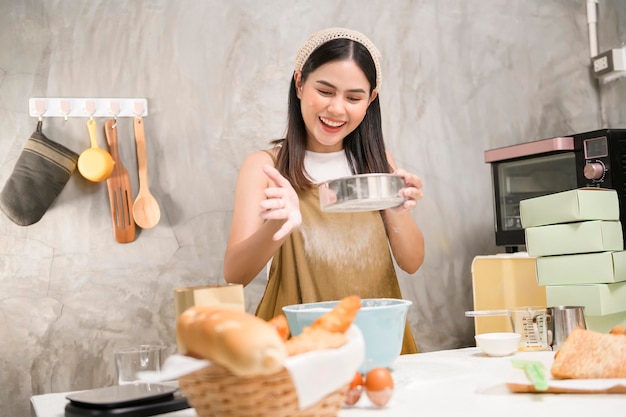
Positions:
(365, 192)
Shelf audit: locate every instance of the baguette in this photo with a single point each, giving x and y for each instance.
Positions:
(281, 325)
(589, 354)
(618, 329)
(245, 344)
(314, 339)
(339, 319)
(328, 330)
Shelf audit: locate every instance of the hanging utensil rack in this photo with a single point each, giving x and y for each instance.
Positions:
(87, 107)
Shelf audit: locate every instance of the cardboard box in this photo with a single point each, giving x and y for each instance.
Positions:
(570, 206)
(604, 324)
(598, 299)
(224, 295)
(583, 268)
(577, 237)
(504, 281)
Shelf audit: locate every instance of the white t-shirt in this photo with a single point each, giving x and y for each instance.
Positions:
(322, 167)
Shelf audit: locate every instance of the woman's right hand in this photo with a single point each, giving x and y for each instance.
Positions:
(281, 203)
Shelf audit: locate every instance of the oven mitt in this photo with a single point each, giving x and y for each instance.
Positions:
(42, 170)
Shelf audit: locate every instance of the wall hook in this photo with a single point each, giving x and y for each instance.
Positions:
(66, 109)
(40, 108)
(90, 106)
(114, 107)
(138, 108)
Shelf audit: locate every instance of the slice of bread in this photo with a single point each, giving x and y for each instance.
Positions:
(589, 354)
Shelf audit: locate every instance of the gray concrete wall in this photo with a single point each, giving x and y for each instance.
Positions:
(460, 77)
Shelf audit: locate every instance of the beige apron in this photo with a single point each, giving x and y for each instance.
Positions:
(331, 256)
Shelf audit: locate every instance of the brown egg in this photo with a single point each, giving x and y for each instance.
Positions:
(379, 386)
(354, 389)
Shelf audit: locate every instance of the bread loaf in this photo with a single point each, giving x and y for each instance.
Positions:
(245, 344)
(589, 354)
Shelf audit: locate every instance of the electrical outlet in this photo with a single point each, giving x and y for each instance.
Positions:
(610, 64)
(600, 64)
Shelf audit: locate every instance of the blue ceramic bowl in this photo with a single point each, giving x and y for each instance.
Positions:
(381, 320)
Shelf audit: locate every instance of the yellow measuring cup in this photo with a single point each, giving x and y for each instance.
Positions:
(94, 163)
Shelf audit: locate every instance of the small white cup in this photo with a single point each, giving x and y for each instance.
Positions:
(499, 343)
(129, 361)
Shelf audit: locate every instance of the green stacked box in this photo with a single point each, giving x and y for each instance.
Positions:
(577, 240)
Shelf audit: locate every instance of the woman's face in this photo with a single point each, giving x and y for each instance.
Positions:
(333, 102)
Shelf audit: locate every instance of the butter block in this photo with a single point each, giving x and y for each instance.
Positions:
(604, 324)
(504, 281)
(577, 237)
(598, 299)
(582, 268)
(570, 206)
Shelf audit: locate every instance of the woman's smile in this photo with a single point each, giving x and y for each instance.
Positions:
(331, 125)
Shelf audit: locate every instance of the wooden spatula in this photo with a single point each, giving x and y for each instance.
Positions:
(120, 192)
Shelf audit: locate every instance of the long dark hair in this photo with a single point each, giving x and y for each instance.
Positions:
(364, 147)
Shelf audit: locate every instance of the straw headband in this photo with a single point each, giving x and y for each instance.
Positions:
(319, 38)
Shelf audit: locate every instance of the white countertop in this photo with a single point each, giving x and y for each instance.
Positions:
(461, 382)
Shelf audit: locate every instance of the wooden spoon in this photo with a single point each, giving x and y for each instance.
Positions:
(146, 211)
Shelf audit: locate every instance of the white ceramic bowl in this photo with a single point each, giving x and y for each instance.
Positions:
(498, 344)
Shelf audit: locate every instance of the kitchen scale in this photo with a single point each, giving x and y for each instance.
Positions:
(136, 400)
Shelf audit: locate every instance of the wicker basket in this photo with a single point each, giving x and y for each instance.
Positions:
(215, 392)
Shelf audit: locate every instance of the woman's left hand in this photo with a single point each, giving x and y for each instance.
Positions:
(412, 191)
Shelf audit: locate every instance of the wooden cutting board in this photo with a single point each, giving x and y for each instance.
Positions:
(520, 388)
(517, 382)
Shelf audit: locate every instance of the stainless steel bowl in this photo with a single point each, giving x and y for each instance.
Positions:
(365, 192)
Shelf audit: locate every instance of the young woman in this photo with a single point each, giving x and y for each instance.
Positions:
(334, 130)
